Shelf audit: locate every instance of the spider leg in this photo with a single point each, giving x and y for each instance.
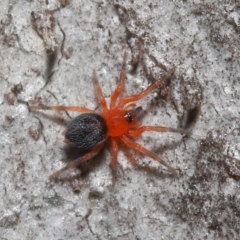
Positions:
(114, 147)
(143, 150)
(129, 156)
(101, 99)
(137, 132)
(120, 85)
(131, 105)
(144, 93)
(78, 161)
(61, 108)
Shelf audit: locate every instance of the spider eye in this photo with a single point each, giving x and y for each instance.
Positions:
(134, 114)
(129, 116)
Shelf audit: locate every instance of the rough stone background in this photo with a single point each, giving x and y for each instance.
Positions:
(48, 50)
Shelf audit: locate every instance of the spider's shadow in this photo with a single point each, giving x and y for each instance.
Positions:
(56, 119)
(155, 172)
(72, 153)
(85, 167)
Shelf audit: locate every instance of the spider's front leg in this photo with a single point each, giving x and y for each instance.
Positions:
(120, 85)
(101, 99)
(143, 150)
(144, 93)
(137, 132)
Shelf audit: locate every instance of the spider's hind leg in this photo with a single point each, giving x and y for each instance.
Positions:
(61, 108)
(78, 161)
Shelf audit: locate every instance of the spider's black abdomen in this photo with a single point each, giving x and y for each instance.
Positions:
(86, 131)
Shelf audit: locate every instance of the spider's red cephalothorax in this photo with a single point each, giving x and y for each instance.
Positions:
(117, 123)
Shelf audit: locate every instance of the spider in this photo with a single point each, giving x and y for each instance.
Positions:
(117, 123)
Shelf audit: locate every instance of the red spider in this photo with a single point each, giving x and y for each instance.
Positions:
(118, 123)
